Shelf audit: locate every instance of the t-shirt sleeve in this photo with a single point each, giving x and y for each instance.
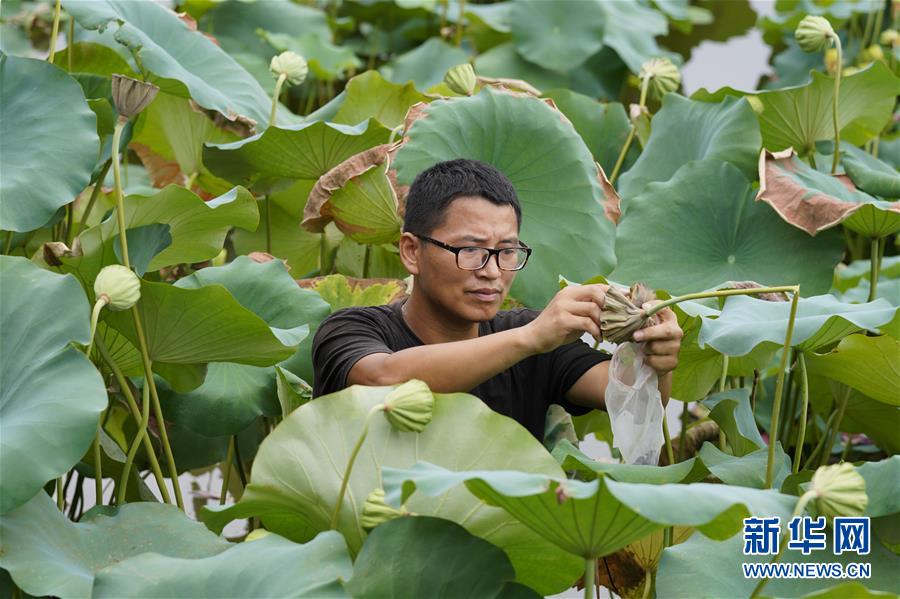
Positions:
(344, 338)
(568, 363)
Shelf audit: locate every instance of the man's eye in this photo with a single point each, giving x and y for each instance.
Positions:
(509, 251)
(470, 251)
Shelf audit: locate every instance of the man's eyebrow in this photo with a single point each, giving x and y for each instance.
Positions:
(476, 239)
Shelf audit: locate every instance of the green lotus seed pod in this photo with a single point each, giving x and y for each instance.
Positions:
(663, 74)
(120, 286)
(889, 37)
(409, 407)
(291, 65)
(376, 511)
(131, 96)
(813, 33)
(839, 490)
(872, 53)
(461, 79)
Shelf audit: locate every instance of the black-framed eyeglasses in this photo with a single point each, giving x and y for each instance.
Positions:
(475, 258)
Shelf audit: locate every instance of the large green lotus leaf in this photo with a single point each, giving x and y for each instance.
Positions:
(572, 458)
(426, 64)
(813, 201)
(370, 96)
(631, 29)
(233, 395)
(281, 567)
(747, 322)
(355, 260)
(38, 102)
(596, 518)
(188, 62)
(50, 394)
(848, 276)
(280, 156)
(798, 117)
(50, 555)
(198, 326)
(686, 130)
(297, 475)
(418, 556)
(869, 364)
(504, 61)
(731, 410)
(701, 567)
(702, 228)
(603, 126)
(848, 589)
(869, 173)
(552, 170)
(748, 470)
(881, 486)
(197, 228)
(169, 129)
(558, 35)
(95, 59)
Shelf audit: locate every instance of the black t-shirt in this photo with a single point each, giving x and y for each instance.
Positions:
(523, 392)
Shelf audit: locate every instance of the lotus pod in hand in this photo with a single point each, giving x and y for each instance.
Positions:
(622, 314)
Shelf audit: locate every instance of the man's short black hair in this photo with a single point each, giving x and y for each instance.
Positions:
(435, 188)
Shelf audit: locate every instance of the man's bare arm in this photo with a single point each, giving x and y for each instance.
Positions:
(462, 365)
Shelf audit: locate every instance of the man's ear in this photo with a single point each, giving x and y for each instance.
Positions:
(409, 252)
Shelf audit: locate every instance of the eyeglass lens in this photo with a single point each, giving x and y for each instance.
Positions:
(473, 258)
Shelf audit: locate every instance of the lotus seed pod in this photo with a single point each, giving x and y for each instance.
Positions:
(839, 490)
(131, 96)
(622, 314)
(813, 33)
(889, 37)
(120, 286)
(376, 511)
(291, 65)
(872, 53)
(663, 74)
(461, 79)
(409, 407)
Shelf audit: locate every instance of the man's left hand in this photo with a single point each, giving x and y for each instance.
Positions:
(661, 342)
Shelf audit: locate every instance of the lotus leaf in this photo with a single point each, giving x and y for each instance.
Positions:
(370, 96)
(868, 364)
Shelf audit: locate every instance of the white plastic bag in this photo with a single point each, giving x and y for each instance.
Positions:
(634, 406)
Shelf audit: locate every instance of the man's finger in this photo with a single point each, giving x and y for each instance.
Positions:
(659, 331)
(595, 292)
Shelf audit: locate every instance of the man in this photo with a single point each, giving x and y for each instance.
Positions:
(461, 244)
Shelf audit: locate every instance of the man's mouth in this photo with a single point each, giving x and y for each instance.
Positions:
(486, 294)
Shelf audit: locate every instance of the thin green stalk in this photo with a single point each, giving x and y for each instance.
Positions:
(645, 85)
(120, 201)
(648, 583)
(811, 158)
(226, 478)
(281, 79)
(787, 416)
(753, 389)
(720, 293)
(804, 406)
(70, 218)
(798, 509)
(874, 267)
(847, 447)
(682, 436)
(157, 409)
(879, 20)
(812, 459)
(192, 178)
(238, 462)
(7, 243)
(95, 314)
(722, 444)
(60, 495)
(70, 41)
(459, 23)
(670, 454)
(98, 467)
(132, 451)
(95, 193)
(590, 574)
(835, 427)
(834, 105)
(55, 32)
(359, 443)
(867, 32)
(779, 389)
(136, 413)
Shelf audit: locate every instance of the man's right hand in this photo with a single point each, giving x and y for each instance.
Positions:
(572, 312)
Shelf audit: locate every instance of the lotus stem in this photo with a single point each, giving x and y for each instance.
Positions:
(795, 289)
(70, 41)
(98, 467)
(55, 32)
(815, 452)
(645, 85)
(590, 573)
(157, 409)
(874, 267)
(7, 243)
(722, 379)
(359, 443)
(95, 193)
(226, 478)
(120, 200)
(132, 451)
(834, 104)
(779, 389)
(459, 23)
(682, 436)
(95, 315)
(804, 406)
(787, 415)
(60, 495)
(835, 428)
(281, 79)
(648, 582)
(670, 454)
(136, 413)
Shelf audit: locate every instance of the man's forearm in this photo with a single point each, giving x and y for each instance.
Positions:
(456, 366)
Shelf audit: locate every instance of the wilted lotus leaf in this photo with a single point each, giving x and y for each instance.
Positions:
(341, 291)
(359, 196)
(813, 201)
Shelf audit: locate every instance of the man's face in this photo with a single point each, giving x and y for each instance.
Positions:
(469, 295)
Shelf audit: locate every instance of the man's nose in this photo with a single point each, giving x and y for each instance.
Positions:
(491, 269)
